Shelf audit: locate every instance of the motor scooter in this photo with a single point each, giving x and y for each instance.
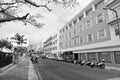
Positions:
(34, 60)
(101, 65)
(82, 62)
(88, 63)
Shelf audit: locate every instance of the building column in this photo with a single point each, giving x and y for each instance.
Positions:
(79, 56)
(112, 57)
(97, 56)
(74, 55)
(86, 56)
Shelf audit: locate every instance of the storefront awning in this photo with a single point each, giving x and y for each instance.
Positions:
(95, 46)
(98, 50)
(6, 50)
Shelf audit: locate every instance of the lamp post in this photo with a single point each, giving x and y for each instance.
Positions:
(116, 14)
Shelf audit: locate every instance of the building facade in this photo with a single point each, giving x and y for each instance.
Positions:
(92, 33)
(55, 45)
(48, 46)
(11, 38)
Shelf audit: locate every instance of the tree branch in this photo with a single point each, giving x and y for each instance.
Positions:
(8, 3)
(14, 18)
(33, 4)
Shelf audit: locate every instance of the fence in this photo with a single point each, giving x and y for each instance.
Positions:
(5, 59)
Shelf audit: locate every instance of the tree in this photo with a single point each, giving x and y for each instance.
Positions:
(20, 40)
(10, 10)
(5, 43)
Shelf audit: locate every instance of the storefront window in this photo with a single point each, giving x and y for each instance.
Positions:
(82, 56)
(91, 56)
(117, 57)
(106, 56)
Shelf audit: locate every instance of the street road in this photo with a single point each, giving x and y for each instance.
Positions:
(57, 70)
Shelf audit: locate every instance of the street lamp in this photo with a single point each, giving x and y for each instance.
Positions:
(116, 14)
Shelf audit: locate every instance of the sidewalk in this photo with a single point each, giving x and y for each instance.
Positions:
(22, 71)
(112, 68)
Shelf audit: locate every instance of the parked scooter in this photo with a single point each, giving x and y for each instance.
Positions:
(94, 63)
(88, 63)
(79, 61)
(83, 62)
(101, 64)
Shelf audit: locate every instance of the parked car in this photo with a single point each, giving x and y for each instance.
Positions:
(59, 58)
(51, 57)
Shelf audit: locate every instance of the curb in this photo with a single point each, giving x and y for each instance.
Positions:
(6, 67)
(33, 73)
(112, 68)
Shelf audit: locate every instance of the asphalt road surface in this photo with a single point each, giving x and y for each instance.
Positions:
(57, 70)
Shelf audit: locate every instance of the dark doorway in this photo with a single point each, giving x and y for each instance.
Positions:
(76, 56)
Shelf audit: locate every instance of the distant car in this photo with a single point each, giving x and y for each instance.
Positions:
(60, 58)
(43, 57)
(51, 57)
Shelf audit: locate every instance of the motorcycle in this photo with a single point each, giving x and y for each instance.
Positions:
(34, 60)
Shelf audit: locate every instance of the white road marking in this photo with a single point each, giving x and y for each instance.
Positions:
(114, 79)
(32, 75)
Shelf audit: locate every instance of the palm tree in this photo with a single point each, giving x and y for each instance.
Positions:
(20, 40)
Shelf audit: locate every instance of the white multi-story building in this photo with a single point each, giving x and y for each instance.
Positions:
(11, 38)
(55, 44)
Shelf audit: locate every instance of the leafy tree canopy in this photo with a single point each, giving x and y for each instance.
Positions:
(5, 43)
(10, 10)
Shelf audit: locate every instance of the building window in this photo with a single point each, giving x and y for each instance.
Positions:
(75, 42)
(80, 28)
(91, 56)
(70, 25)
(101, 34)
(106, 56)
(66, 36)
(89, 11)
(108, 2)
(80, 18)
(100, 18)
(13, 38)
(66, 28)
(81, 40)
(90, 37)
(82, 56)
(74, 31)
(88, 23)
(70, 43)
(117, 57)
(70, 34)
(75, 21)
(116, 30)
(100, 4)
(63, 30)
(60, 31)
(66, 44)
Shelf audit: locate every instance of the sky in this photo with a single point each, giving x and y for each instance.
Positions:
(53, 20)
